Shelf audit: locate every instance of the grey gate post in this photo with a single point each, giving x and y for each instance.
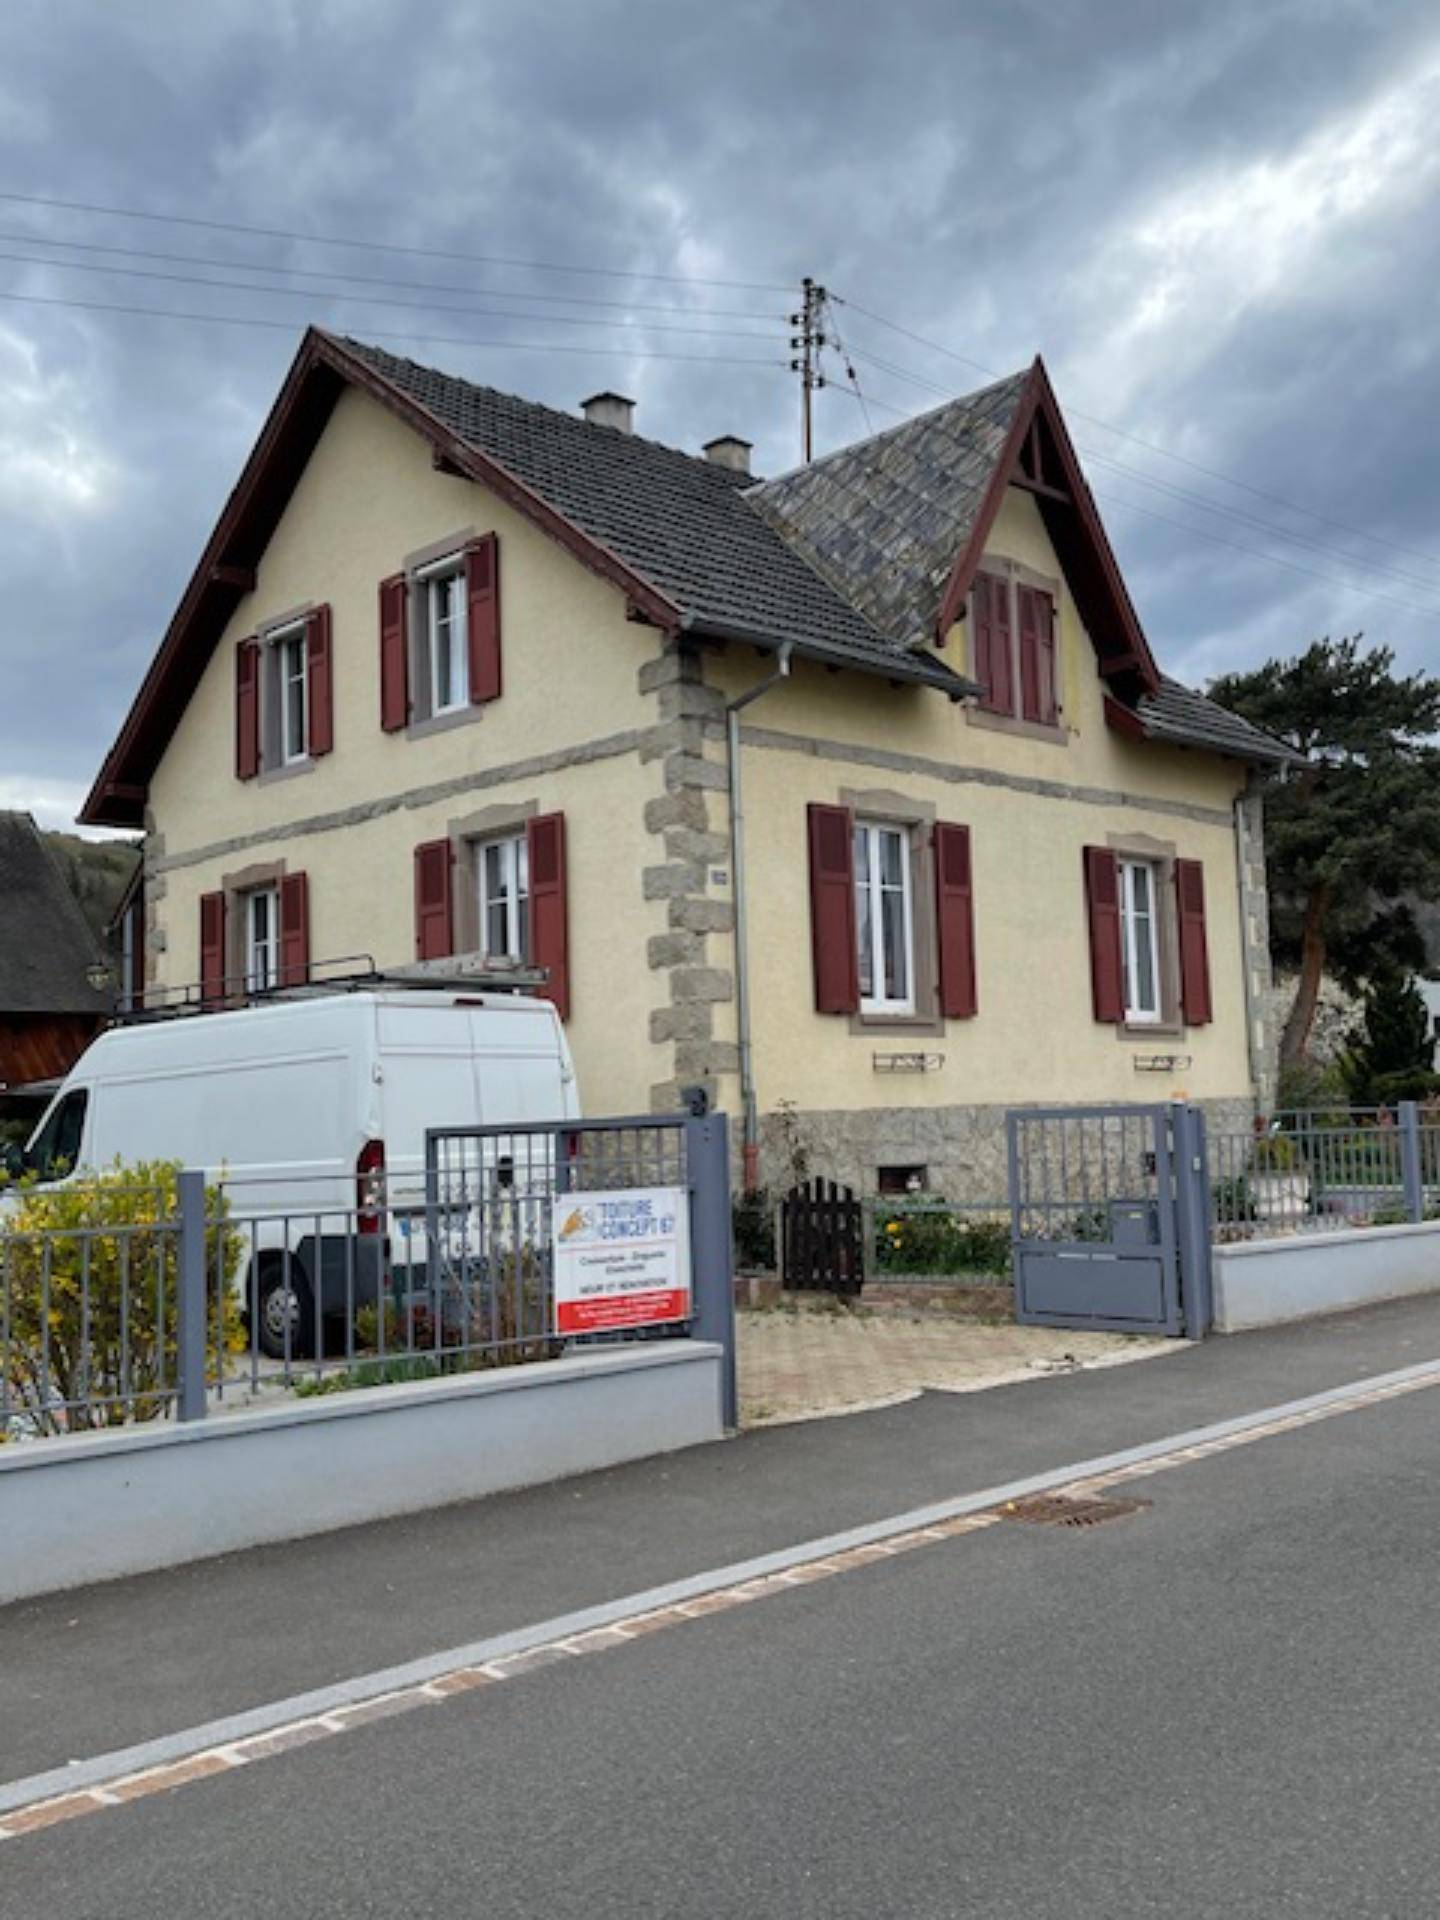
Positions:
(712, 1264)
(1192, 1211)
(1411, 1173)
(190, 1297)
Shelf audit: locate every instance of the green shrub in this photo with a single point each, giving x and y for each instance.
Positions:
(932, 1239)
(90, 1287)
(752, 1222)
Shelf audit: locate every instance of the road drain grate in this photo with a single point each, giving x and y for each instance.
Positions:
(1056, 1510)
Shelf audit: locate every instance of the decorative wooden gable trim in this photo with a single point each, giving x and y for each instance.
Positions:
(1039, 456)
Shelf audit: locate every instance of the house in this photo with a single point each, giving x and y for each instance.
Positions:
(50, 1009)
(461, 674)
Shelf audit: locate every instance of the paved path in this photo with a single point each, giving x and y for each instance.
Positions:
(1223, 1703)
(798, 1361)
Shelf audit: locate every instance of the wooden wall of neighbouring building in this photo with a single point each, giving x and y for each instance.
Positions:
(42, 1046)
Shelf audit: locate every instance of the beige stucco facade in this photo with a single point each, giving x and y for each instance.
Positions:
(603, 719)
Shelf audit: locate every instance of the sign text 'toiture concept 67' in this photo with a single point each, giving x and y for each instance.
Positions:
(622, 1259)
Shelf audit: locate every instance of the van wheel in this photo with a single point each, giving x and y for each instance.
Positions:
(284, 1316)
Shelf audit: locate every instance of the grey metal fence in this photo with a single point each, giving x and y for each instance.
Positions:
(158, 1304)
(1319, 1172)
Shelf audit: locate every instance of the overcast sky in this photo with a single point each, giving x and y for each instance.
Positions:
(1218, 223)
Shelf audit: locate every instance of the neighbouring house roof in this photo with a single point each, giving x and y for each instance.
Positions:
(861, 560)
(1178, 716)
(45, 942)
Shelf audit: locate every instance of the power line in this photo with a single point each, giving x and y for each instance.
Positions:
(380, 280)
(1210, 473)
(384, 333)
(1188, 497)
(373, 300)
(382, 246)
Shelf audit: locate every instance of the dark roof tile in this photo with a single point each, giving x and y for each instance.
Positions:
(45, 943)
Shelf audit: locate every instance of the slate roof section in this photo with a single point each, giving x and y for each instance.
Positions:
(884, 519)
(683, 523)
(45, 942)
(1178, 716)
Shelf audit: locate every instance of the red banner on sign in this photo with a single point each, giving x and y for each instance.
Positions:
(604, 1315)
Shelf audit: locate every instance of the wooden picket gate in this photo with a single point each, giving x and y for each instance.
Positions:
(822, 1233)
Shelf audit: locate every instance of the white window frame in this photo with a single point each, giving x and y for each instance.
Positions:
(874, 832)
(1132, 930)
(262, 945)
(512, 896)
(288, 642)
(447, 627)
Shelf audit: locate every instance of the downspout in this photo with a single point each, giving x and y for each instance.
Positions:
(749, 1112)
(1254, 1046)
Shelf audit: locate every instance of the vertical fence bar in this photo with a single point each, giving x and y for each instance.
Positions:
(707, 1169)
(1411, 1173)
(190, 1328)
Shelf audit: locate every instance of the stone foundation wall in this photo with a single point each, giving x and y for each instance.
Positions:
(961, 1148)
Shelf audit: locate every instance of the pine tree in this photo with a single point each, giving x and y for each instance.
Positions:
(1393, 1055)
(1357, 825)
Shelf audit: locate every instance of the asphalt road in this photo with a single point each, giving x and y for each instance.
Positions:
(1226, 1704)
(85, 1672)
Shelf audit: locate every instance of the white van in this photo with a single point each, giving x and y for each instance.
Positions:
(311, 1111)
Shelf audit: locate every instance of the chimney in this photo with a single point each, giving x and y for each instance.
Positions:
(729, 451)
(610, 410)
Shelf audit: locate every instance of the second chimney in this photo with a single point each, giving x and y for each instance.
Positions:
(610, 410)
(729, 451)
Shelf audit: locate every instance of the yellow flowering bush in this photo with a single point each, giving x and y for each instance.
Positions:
(89, 1287)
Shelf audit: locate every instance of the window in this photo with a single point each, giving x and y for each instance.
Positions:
(1139, 940)
(1012, 649)
(883, 918)
(447, 653)
(907, 1179)
(55, 1149)
(292, 696)
(502, 878)
(262, 938)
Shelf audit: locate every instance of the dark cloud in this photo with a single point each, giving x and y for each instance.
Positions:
(1218, 223)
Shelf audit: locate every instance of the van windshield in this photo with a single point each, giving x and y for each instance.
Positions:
(55, 1149)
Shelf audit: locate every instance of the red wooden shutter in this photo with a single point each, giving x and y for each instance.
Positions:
(482, 614)
(434, 922)
(294, 930)
(1036, 613)
(320, 692)
(1194, 948)
(991, 604)
(549, 915)
(212, 949)
(955, 920)
(247, 709)
(1048, 664)
(832, 910)
(1107, 967)
(394, 653)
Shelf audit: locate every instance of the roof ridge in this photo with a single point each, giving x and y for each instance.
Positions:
(727, 475)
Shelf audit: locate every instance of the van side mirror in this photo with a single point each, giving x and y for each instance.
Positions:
(12, 1159)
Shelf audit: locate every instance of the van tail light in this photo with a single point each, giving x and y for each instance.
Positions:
(370, 1187)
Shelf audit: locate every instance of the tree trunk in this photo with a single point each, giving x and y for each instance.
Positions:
(1295, 1040)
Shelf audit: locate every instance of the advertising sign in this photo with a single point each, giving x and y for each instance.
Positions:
(622, 1259)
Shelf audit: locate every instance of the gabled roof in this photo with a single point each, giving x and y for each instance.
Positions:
(862, 560)
(45, 942)
(1177, 716)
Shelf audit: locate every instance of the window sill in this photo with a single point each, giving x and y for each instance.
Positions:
(268, 776)
(443, 722)
(872, 1023)
(1057, 736)
(1150, 1030)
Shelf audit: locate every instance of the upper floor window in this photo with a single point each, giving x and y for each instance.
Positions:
(1140, 940)
(262, 938)
(447, 649)
(1012, 649)
(884, 920)
(502, 878)
(290, 702)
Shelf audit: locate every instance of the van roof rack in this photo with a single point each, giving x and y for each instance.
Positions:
(354, 973)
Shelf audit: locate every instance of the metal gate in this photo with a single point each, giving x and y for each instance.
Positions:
(1110, 1218)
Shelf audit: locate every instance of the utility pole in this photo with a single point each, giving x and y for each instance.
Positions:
(807, 344)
